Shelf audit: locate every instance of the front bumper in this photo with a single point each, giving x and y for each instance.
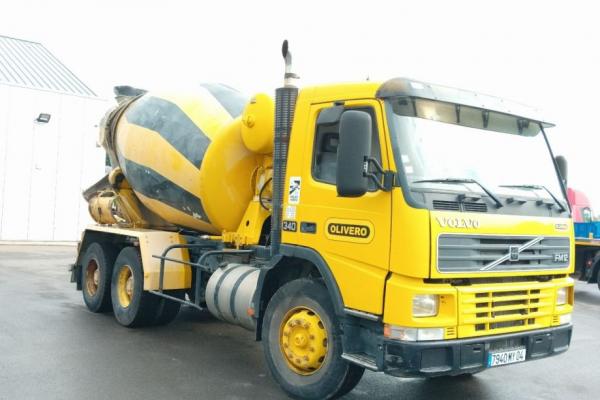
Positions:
(455, 357)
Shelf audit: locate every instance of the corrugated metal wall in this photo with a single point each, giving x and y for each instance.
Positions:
(45, 167)
(30, 64)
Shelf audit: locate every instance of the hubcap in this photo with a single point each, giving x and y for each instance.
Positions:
(303, 340)
(125, 286)
(92, 277)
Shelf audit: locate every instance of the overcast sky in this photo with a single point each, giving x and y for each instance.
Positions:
(541, 53)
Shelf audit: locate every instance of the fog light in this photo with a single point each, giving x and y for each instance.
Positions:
(562, 295)
(412, 334)
(564, 319)
(425, 305)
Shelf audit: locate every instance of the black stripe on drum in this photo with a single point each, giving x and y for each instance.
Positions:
(231, 100)
(155, 186)
(170, 122)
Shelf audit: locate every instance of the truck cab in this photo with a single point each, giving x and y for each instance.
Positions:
(581, 208)
(463, 257)
(587, 238)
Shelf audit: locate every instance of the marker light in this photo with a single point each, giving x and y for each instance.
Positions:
(562, 296)
(412, 334)
(565, 319)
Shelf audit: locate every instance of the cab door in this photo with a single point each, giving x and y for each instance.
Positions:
(351, 234)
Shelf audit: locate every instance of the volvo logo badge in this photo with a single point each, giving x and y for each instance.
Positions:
(457, 222)
(513, 253)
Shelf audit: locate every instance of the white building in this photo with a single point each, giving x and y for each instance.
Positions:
(48, 152)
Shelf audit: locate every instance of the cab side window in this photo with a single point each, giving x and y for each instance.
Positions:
(586, 214)
(324, 165)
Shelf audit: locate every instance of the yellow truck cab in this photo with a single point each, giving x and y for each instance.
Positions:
(453, 274)
(401, 227)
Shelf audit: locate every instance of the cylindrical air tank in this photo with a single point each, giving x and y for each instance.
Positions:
(229, 294)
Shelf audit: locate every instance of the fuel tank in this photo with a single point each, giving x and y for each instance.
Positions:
(184, 156)
(229, 294)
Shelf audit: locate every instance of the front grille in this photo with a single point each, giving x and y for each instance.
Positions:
(480, 253)
(488, 312)
(450, 332)
(459, 206)
(475, 207)
(446, 205)
(506, 344)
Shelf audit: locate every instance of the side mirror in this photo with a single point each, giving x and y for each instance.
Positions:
(561, 164)
(353, 149)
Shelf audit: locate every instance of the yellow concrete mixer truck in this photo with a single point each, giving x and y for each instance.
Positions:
(401, 227)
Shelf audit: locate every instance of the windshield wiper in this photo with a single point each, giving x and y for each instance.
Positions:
(539, 187)
(464, 180)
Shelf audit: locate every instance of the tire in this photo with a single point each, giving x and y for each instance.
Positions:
(598, 278)
(133, 307)
(96, 272)
(296, 318)
(354, 376)
(167, 310)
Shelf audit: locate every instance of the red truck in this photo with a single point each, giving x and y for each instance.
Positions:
(587, 237)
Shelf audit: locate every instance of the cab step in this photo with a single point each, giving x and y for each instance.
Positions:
(361, 359)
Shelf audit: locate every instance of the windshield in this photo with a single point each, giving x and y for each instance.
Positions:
(435, 141)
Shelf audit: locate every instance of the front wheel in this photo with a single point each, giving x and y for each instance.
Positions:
(303, 345)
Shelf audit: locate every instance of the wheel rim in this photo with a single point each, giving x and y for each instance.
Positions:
(303, 340)
(125, 286)
(92, 277)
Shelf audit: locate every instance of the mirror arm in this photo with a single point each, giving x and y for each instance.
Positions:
(388, 176)
(375, 163)
(375, 180)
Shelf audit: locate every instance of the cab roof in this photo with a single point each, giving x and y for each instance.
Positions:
(404, 87)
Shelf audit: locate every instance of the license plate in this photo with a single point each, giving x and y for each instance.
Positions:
(506, 357)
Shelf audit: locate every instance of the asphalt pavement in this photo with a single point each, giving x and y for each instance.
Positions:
(51, 347)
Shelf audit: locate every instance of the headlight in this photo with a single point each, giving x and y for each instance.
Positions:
(565, 319)
(412, 334)
(562, 295)
(425, 305)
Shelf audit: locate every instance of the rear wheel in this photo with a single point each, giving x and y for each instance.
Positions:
(131, 304)
(302, 342)
(96, 271)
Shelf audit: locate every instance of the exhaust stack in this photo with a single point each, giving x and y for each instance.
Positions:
(285, 104)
